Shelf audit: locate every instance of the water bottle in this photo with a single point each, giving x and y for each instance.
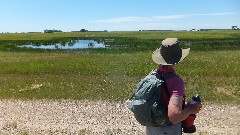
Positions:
(188, 123)
(131, 103)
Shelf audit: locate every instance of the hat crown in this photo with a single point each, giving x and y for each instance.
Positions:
(169, 41)
(170, 52)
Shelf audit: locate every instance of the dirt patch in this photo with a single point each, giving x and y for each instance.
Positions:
(227, 90)
(94, 118)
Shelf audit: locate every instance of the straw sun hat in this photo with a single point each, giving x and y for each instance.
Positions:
(170, 52)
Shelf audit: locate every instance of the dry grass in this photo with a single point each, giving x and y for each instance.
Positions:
(228, 90)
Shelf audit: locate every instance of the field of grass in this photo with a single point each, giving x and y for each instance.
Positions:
(199, 38)
(112, 74)
(193, 35)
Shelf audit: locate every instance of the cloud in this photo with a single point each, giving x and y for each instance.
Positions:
(168, 17)
(156, 18)
(212, 14)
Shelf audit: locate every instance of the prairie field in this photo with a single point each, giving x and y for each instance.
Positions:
(112, 74)
(83, 91)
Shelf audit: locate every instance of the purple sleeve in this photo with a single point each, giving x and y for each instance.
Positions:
(176, 86)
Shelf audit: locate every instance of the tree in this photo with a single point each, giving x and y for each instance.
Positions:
(83, 30)
(234, 27)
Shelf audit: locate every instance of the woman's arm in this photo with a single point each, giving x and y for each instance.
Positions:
(175, 112)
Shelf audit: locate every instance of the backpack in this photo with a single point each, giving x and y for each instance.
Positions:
(145, 101)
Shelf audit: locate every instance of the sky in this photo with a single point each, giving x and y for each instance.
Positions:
(117, 15)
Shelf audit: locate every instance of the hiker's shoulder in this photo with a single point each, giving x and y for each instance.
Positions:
(176, 79)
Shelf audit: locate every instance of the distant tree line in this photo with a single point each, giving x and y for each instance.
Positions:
(51, 31)
(156, 30)
(232, 28)
(84, 30)
(235, 28)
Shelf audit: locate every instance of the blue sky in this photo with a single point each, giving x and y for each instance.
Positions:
(117, 15)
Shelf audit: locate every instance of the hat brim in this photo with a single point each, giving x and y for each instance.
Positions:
(157, 58)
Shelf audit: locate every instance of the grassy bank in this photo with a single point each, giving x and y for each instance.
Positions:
(111, 76)
(194, 35)
(211, 69)
(197, 40)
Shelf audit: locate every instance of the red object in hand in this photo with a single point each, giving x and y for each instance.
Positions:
(188, 124)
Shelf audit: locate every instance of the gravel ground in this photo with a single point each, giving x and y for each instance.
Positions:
(35, 117)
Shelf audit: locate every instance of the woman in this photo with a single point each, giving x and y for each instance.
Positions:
(167, 56)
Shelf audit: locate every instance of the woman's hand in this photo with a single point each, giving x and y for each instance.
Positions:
(194, 108)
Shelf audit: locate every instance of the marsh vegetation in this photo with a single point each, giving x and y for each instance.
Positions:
(212, 68)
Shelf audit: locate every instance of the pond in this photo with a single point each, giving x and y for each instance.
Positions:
(71, 44)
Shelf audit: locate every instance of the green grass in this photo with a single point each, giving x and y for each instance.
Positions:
(212, 68)
(214, 74)
(212, 39)
(112, 76)
(140, 35)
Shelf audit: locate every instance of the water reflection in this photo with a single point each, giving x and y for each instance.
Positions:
(71, 44)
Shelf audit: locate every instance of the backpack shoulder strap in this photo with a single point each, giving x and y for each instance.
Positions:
(164, 77)
(168, 75)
